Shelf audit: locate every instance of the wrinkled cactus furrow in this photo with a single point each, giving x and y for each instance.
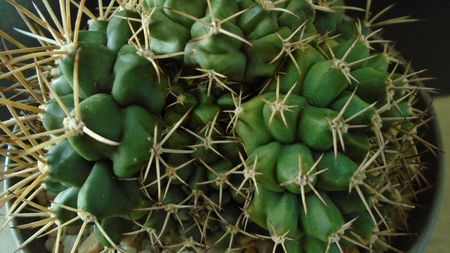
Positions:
(250, 126)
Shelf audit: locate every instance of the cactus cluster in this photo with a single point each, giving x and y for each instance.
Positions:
(211, 126)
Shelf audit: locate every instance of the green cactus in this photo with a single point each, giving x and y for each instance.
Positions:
(215, 125)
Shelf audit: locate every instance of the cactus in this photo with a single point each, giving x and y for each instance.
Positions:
(211, 125)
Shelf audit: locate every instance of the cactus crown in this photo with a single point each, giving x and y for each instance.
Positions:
(211, 125)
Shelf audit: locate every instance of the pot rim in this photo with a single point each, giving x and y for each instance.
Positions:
(424, 237)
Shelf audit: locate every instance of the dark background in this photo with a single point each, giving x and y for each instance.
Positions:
(425, 43)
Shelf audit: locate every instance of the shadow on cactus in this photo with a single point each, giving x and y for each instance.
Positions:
(211, 126)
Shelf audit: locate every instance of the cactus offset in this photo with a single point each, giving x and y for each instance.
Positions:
(211, 125)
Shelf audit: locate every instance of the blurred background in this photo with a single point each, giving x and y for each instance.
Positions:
(425, 43)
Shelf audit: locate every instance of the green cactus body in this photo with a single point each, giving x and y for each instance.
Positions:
(324, 219)
(68, 198)
(249, 126)
(323, 83)
(67, 166)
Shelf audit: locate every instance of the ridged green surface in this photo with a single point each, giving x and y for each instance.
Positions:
(235, 115)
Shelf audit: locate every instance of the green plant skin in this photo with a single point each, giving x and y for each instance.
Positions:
(226, 102)
(329, 22)
(237, 198)
(118, 30)
(219, 43)
(222, 9)
(303, 10)
(355, 106)
(357, 145)
(103, 116)
(137, 140)
(357, 51)
(305, 59)
(349, 202)
(399, 81)
(267, 157)
(323, 83)
(220, 62)
(61, 86)
(339, 173)
(189, 101)
(54, 115)
(115, 227)
(98, 26)
(67, 166)
(314, 127)
(284, 133)
(175, 160)
(262, 52)
(261, 201)
(322, 220)
(325, 46)
(198, 176)
(313, 245)
(220, 245)
(257, 22)
(231, 151)
(288, 165)
(102, 202)
(154, 3)
(218, 168)
(68, 198)
(403, 109)
(347, 29)
(261, 28)
(371, 86)
(203, 114)
(168, 36)
(218, 52)
(53, 187)
(250, 125)
(221, 52)
(134, 199)
(206, 154)
(380, 62)
(363, 225)
(171, 116)
(203, 97)
(294, 246)
(95, 69)
(282, 216)
(180, 139)
(136, 82)
(114, 198)
(226, 198)
(195, 8)
(176, 195)
(92, 37)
